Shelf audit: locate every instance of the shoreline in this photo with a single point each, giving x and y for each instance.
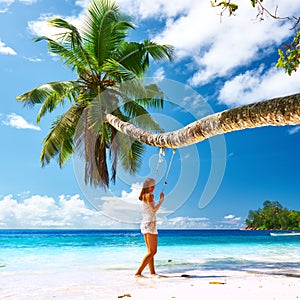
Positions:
(94, 284)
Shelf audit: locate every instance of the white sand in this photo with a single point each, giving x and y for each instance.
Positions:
(233, 286)
(94, 284)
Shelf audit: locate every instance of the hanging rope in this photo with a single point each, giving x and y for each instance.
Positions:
(168, 171)
(160, 160)
(161, 155)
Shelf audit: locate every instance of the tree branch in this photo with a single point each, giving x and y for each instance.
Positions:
(276, 112)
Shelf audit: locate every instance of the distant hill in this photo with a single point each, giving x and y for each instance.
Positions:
(273, 216)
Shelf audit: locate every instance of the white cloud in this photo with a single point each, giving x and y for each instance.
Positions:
(159, 75)
(28, 2)
(127, 206)
(19, 122)
(217, 48)
(40, 27)
(44, 212)
(155, 9)
(6, 50)
(9, 2)
(142, 9)
(32, 59)
(231, 221)
(82, 3)
(23, 194)
(72, 212)
(294, 130)
(258, 84)
(229, 217)
(66, 212)
(185, 32)
(185, 223)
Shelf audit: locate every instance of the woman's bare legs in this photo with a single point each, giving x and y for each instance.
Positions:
(152, 248)
(151, 243)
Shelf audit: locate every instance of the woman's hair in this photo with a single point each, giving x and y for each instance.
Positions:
(148, 183)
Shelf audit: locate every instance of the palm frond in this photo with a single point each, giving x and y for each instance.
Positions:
(73, 40)
(132, 56)
(69, 46)
(92, 143)
(135, 99)
(154, 97)
(135, 56)
(140, 116)
(59, 142)
(130, 89)
(97, 173)
(130, 153)
(159, 52)
(60, 93)
(113, 154)
(71, 33)
(95, 114)
(69, 57)
(118, 71)
(50, 95)
(105, 28)
(40, 94)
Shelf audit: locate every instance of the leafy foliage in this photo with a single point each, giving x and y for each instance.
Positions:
(255, 2)
(273, 216)
(225, 5)
(109, 70)
(289, 59)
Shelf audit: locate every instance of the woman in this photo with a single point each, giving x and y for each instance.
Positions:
(148, 224)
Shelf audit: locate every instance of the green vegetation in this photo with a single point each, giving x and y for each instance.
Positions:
(273, 216)
(289, 55)
(108, 70)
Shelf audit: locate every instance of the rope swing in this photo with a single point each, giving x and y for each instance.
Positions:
(160, 160)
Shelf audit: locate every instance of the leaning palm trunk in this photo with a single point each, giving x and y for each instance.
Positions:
(276, 112)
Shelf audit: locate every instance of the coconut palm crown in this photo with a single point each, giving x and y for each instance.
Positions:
(104, 62)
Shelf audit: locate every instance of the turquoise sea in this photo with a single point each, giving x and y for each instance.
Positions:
(179, 251)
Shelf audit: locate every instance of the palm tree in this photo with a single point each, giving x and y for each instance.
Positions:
(103, 61)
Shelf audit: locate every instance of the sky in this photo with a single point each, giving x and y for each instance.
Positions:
(220, 62)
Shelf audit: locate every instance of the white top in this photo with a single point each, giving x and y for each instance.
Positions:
(148, 224)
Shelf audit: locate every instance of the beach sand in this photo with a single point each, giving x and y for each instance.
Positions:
(94, 284)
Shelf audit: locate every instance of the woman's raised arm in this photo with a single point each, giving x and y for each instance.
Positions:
(154, 208)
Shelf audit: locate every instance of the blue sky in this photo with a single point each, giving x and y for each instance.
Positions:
(220, 63)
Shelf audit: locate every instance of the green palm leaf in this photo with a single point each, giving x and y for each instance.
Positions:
(105, 28)
(118, 71)
(59, 142)
(154, 97)
(50, 95)
(159, 52)
(131, 153)
(135, 56)
(71, 33)
(40, 94)
(139, 116)
(73, 55)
